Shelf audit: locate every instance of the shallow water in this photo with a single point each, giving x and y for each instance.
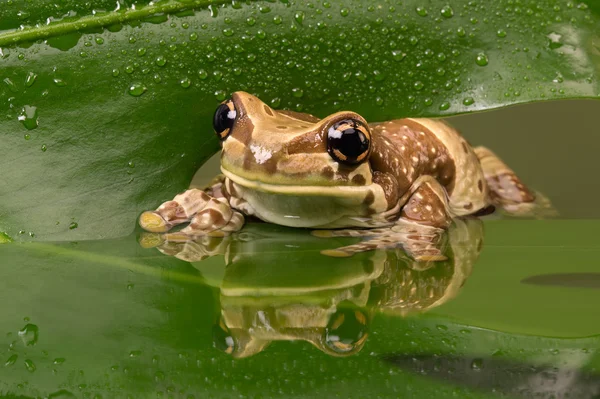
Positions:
(113, 319)
(512, 313)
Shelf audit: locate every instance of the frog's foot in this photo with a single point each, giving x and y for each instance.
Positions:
(184, 248)
(508, 192)
(179, 210)
(540, 208)
(206, 215)
(421, 243)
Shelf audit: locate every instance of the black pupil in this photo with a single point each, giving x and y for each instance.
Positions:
(345, 137)
(221, 120)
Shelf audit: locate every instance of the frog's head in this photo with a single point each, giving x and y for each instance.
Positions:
(288, 153)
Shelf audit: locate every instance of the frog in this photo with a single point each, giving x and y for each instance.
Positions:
(342, 176)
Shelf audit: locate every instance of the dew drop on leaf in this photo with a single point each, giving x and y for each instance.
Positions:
(30, 79)
(137, 89)
(29, 117)
(185, 82)
(29, 334)
(481, 59)
(447, 11)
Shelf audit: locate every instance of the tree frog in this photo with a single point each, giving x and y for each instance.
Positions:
(343, 176)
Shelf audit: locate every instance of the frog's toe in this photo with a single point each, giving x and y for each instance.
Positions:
(153, 222)
(151, 240)
(322, 233)
(430, 258)
(336, 253)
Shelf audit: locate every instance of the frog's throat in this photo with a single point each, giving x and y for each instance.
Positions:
(303, 190)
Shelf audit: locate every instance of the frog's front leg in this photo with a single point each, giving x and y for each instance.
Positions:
(208, 212)
(418, 229)
(427, 204)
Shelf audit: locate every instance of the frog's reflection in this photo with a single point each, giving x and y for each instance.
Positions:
(270, 292)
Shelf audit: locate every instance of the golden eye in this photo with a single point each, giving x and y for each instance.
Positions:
(349, 141)
(224, 118)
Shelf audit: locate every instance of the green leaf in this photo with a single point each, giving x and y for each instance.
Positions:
(105, 108)
(110, 318)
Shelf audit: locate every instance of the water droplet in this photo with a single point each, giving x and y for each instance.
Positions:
(277, 20)
(30, 366)
(264, 9)
(11, 360)
(297, 92)
(227, 32)
(30, 79)
(460, 31)
(29, 334)
(115, 72)
(141, 51)
(422, 11)
(185, 82)
(344, 12)
(299, 17)
(398, 55)
(129, 68)
(481, 59)
(135, 353)
(447, 11)
(22, 15)
(220, 95)
(59, 360)
(29, 117)
(137, 89)
(418, 85)
(202, 74)
(250, 21)
(275, 102)
(59, 82)
(501, 33)
(73, 226)
(11, 85)
(468, 101)
(193, 36)
(160, 61)
(99, 40)
(444, 106)
(477, 364)
(4, 238)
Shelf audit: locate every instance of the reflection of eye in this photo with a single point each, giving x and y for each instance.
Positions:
(346, 330)
(222, 338)
(349, 141)
(224, 118)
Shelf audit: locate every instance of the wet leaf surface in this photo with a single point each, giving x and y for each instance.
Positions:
(111, 318)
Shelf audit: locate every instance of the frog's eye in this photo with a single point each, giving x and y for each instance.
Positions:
(224, 118)
(347, 330)
(349, 141)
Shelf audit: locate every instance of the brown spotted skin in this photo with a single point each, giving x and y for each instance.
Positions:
(281, 167)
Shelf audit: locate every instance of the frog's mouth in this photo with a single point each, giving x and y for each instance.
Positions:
(304, 190)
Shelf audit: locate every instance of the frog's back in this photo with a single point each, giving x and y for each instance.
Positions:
(444, 154)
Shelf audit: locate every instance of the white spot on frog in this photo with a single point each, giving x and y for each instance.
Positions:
(261, 155)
